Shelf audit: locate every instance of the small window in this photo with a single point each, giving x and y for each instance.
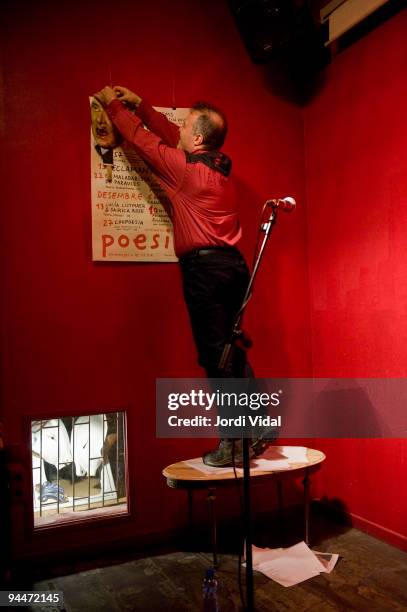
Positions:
(78, 467)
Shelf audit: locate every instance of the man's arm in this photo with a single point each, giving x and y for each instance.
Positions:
(168, 163)
(155, 121)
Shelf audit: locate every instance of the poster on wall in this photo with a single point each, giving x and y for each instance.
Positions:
(129, 219)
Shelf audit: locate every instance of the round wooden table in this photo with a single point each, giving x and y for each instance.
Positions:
(182, 476)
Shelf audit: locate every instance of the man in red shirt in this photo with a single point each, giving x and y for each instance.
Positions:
(196, 176)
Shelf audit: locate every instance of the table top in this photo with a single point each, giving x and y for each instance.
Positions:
(181, 475)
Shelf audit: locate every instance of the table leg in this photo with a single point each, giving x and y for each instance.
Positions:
(211, 500)
(306, 483)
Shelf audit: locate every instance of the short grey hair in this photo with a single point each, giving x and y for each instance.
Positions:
(213, 130)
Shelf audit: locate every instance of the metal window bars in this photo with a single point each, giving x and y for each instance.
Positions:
(73, 458)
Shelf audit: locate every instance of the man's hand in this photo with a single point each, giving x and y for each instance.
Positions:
(127, 96)
(105, 95)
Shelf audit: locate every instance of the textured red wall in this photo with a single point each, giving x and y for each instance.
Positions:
(83, 336)
(356, 156)
(80, 336)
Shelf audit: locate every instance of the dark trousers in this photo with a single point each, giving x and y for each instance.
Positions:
(215, 282)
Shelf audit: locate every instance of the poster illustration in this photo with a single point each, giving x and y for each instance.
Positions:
(129, 221)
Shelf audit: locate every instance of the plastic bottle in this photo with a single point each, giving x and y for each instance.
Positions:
(210, 591)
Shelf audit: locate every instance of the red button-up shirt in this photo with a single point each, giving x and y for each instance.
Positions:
(203, 200)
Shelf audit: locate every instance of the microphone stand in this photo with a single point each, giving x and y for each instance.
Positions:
(223, 365)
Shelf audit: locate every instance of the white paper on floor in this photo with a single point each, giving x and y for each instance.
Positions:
(328, 560)
(289, 566)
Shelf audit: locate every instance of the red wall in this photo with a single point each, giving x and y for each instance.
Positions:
(356, 156)
(82, 336)
(79, 336)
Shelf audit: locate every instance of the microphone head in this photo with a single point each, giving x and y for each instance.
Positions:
(288, 204)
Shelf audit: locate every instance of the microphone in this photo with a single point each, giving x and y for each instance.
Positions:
(287, 204)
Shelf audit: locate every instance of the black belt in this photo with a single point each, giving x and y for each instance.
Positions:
(208, 251)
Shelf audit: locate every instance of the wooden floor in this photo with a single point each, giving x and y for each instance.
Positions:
(370, 576)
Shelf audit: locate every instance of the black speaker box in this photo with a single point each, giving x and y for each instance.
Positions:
(273, 28)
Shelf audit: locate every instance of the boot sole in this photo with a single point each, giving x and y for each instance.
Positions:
(260, 446)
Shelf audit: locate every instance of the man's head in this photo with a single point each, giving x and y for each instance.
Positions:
(204, 129)
(103, 130)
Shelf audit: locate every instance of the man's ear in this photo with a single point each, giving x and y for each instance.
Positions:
(198, 139)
